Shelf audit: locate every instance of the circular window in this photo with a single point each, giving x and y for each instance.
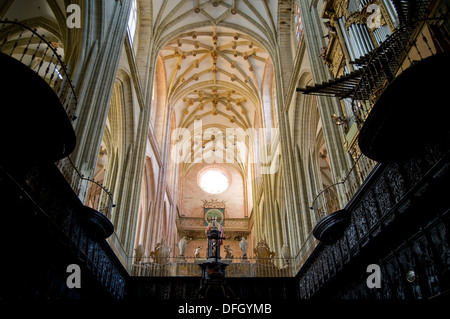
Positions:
(213, 180)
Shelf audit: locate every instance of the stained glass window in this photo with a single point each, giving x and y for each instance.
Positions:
(298, 22)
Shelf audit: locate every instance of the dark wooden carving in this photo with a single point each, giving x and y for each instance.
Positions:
(401, 222)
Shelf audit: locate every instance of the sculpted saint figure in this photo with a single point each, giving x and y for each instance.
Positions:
(197, 252)
(244, 246)
(228, 252)
(182, 246)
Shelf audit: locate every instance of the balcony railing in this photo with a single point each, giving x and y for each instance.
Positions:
(93, 193)
(409, 44)
(388, 61)
(334, 197)
(42, 56)
(189, 267)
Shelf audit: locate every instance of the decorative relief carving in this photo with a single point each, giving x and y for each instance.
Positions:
(343, 245)
(326, 269)
(413, 171)
(360, 220)
(371, 209)
(433, 154)
(382, 196)
(337, 253)
(213, 203)
(330, 257)
(332, 55)
(351, 234)
(231, 223)
(361, 17)
(340, 8)
(425, 253)
(396, 182)
(263, 253)
(191, 222)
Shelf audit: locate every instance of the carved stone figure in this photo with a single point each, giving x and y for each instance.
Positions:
(161, 253)
(138, 253)
(182, 246)
(286, 254)
(243, 244)
(263, 253)
(197, 252)
(228, 252)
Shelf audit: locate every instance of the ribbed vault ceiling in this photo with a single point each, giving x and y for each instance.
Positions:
(217, 62)
(215, 72)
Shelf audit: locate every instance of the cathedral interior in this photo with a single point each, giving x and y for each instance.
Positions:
(294, 131)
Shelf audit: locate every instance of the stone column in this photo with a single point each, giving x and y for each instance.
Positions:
(313, 32)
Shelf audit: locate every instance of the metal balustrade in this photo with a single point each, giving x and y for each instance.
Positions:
(337, 195)
(41, 55)
(44, 57)
(189, 267)
(94, 194)
(401, 50)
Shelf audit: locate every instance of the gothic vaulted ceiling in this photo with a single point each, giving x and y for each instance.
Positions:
(216, 57)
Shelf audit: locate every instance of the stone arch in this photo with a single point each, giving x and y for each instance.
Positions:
(148, 196)
(159, 101)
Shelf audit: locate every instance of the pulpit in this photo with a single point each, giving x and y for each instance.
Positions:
(213, 285)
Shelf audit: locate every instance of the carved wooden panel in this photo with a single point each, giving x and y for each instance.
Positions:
(411, 240)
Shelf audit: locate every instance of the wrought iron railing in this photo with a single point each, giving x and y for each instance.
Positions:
(91, 192)
(40, 55)
(402, 49)
(305, 251)
(334, 197)
(189, 267)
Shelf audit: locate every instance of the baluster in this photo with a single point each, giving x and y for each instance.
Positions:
(53, 73)
(34, 54)
(42, 60)
(425, 39)
(48, 67)
(26, 47)
(417, 49)
(16, 43)
(3, 26)
(5, 40)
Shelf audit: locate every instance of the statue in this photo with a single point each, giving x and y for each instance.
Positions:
(214, 232)
(286, 254)
(182, 247)
(197, 252)
(244, 247)
(214, 224)
(138, 253)
(263, 253)
(161, 253)
(228, 252)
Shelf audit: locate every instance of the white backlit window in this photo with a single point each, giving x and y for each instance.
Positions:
(132, 20)
(213, 181)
